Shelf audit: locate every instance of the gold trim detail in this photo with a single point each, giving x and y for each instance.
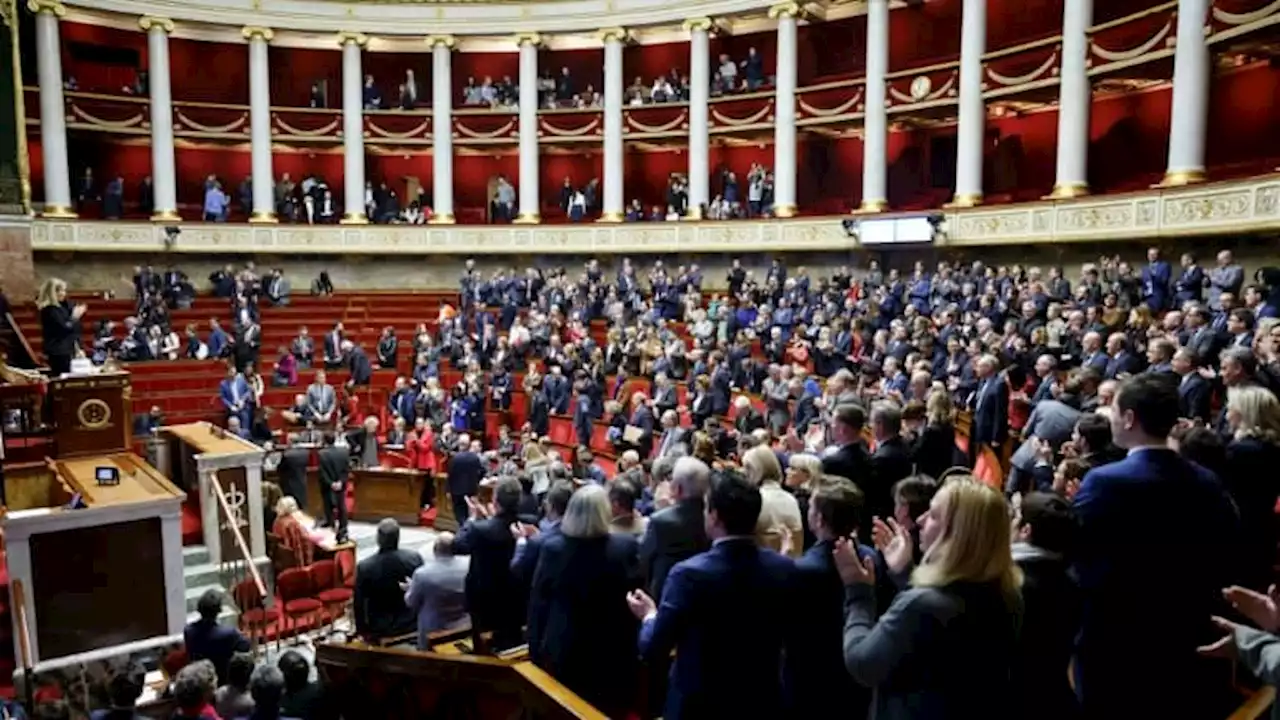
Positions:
(612, 217)
(871, 207)
(94, 414)
(360, 39)
(694, 24)
(693, 213)
(965, 201)
(53, 6)
(1182, 178)
(442, 219)
(527, 219)
(166, 216)
(1067, 191)
(784, 211)
(354, 219)
(448, 41)
(146, 22)
(58, 212)
(620, 34)
(263, 218)
(786, 9)
(528, 38)
(250, 32)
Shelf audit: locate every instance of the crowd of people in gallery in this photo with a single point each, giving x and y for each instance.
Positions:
(794, 446)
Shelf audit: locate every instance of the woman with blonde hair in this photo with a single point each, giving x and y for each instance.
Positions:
(779, 510)
(289, 528)
(59, 325)
(945, 647)
(1253, 416)
(934, 448)
(804, 477)
(580, 629)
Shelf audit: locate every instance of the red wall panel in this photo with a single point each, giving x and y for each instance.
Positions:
(829, 174)
(649, 61)
(480, 65)
(388, 71)
(98, 77)
(472, 173)
(579, 168)
(1022, 163)
(737, 46)
(1129, 140)
(647, 174)
(294, 69)
(829, 50)
(209, 71)
(924, 33)
(1243, 119)
(586, 67)
(1014, 23)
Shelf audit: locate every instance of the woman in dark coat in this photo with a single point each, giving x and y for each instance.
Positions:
(580, 630)
(59, 325)
(934, 448)
(1253, 414)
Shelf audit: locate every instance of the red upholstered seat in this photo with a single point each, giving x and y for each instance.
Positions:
(295, 588)
(259, 616)
(302, 606)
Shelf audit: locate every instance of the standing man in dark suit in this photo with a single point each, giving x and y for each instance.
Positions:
(719, 613)
(292, 471)
(494, 597)
(378, 601)
(676, 533)
(358, 362)
(1156, 279)
(1126, 551)
(890, 462)
(333, 347)
(642, 418)
(1189, 287)
(556, 387)
(463, 481)
(990, 405)
(335, 467)
(206, 639)
(1201, 338)
(814, 676)
(850, 459)
(1194, 391)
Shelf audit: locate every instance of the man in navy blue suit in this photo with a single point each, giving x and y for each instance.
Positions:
(990, 407)
(206, 639)
(814, 677)
(1156, 280)
(719, 612)
(1157, 534)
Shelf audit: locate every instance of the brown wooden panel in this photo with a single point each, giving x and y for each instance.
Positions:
(235, 483)
(32, 486)
(93, 415)
(386, 493)
(98, 586)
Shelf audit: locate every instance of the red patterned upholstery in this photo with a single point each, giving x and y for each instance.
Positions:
(295, 588)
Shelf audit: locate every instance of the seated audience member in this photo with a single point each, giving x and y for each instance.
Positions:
(291, 531)
(379, 606)
(1045, 531)
(267, 689)
(322, 285)
(719, 670)
(678, 532)
(1125, 550)
(124, 687)
(206, 639)
(193, 689)
(947, 645)
(286, 369)
(492, 590)
(437, 591)
(232, 699)
(302, 697)
(580, 630)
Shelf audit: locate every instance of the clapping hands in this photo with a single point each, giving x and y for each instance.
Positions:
(477, 510)
(1260, 608)
(853, 570)
(641, 604)
(894, 543)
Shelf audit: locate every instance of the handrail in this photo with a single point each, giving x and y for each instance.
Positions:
(1162, 7)
(243, 546)
(22, 339)
(19, 601)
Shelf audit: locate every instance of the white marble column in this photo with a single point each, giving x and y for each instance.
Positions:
(875, 126)
(699, 100)
(353, 129)
(442, 128)
(164, 175)
(53, 118)
(784, 111)
(1074, 98)
(264, 210)
(1189, 126)
(614, 205)
(529, 211)
(971, 134)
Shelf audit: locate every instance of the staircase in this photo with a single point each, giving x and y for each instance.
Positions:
(201, 575)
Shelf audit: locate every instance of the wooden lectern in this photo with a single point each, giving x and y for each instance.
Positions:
(92, 414)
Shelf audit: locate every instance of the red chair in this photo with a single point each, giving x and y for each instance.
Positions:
(255, 618)
(334, 599)
(294, 586)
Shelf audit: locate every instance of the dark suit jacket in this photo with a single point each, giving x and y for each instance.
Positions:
(1051, 601)
(934, 450)
(1194, 394)
(712, 614)
(292, 472)
(378, 601)
(213, 642)
(889, 463)
(335, 466)
(61, 333)
(674, 534)
(494, 598)
(991, 413)
(748, 422)
(850, 461)
(465, 473)
(361, 369)
(814, 675)
(580, 629)
(1253, 483)
(1125, 549)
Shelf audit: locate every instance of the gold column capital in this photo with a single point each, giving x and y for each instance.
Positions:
(359, 39)
(250, 32)
(620, 34)
(50, 6)
(528, 38)
(448, 41)
(147, 22)
(785, 9)
(695, 24)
